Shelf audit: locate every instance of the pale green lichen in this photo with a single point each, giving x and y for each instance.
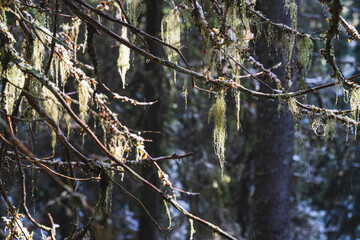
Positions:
(185, 92)
(133, 10)
(192, 229)
(305, 51)
(330, 129)
(53, 109)
(75, 35)
(293, 107)
(12, 92)
(168, 214)
(218, 111)
(117, 146)
(290, 6)
(84, 95)
(355, 105)
(170, 33)
(123, 62)
(64, 64)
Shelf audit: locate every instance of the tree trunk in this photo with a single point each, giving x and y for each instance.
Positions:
(152, 78)
(274, 149)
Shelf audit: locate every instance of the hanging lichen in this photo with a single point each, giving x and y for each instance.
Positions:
(117, 147)
(192, 229)
(218, 112)
(168, 214)
(12, 93)
(123, 62)
(170, 33)
(84, 95)
(53, 109)
(290, 6)
(185, 92)
(305, 50)
(237, 96)
(37, 58)
(293, 107)
(133, 10)
(355, 105)
(330, 129)
(75, 34)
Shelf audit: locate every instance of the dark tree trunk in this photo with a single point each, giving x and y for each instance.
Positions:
(274, 149)
(152, 79)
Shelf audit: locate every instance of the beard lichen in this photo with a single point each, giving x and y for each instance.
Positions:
(118, 145)
(123, 62)
(218, 112)
(84, 95)
(355, 105)
(53, 109)
(170, 33)
(330, 129)
(305, 50)
(293, 107)
(12, 93)
(185, 92)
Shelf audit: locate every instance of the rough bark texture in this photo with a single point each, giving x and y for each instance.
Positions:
(274, 150)
(152, 78)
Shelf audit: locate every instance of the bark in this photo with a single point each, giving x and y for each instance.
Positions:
(153, 121)
(274, 150)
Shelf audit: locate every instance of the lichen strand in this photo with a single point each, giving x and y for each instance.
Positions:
(133, 10)
(290, 6)
(355, 105)
(17, 78)
(185, 92)
(123, 62)
(293, 107)
(117, 146)
(170, 33)
(84, 95)
(219, 134)
(64, 65)
(330, 129)
(37, 62)
(305, 50)
(52, 108)
(75, 34)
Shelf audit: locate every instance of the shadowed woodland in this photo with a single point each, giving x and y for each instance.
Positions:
(179, 119)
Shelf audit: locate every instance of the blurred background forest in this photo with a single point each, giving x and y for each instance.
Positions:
(322, 180)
